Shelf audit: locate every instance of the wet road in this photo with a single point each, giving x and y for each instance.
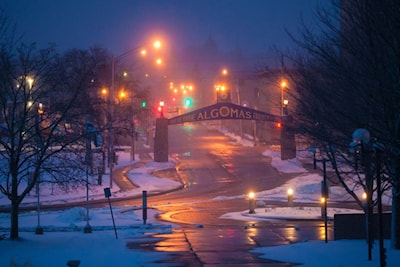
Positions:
(215, 172)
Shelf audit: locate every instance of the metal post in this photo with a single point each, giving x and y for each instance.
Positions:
(369, 185)
(282, 100)
(132, 142)
(112, 216)
(144, 206)
(39, 229)
(107, 193)
(325, 192)
(87, 229)
(110, 124)
(382, 259)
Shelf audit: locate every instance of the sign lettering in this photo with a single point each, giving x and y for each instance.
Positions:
(222, 111)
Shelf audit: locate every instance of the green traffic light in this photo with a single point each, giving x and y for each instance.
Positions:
(188, 102)
(144, 104)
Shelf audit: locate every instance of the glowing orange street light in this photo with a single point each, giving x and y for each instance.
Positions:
(159, 61)
(157, 44)
(122, 94)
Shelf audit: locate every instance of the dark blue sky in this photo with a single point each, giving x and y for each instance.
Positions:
(253, 25)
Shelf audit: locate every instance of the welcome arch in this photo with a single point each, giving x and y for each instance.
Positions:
(221, 111)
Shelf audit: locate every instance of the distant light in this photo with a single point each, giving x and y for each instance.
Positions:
(290, 191)
(157, 44)
(251, 195)
(122, 94)
(364, 196)
(188, 102)
(30, 81)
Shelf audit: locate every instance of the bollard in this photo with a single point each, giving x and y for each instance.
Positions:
(144, 206)
(290, 197)
(323, 210)
(252, 203)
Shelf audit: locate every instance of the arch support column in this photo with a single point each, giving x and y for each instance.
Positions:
(288, 142)
(161, 140)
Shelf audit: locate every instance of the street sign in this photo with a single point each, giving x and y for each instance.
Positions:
(107, 192)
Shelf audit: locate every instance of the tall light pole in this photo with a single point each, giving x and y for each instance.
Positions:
(369, 149)
(115, 61)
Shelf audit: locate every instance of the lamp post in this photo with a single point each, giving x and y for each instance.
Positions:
(362, 138)
(38, 118)
(290, 197)
(324, 203)
(252, 202)
(115, 61)
(324, 191)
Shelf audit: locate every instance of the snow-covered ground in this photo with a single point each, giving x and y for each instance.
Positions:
(64, 240)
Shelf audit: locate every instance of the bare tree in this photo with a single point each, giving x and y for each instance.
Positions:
(348, 78)
(42, 122)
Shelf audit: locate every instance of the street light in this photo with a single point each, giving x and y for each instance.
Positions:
(115, 61)
(362, 138)
(324, 191)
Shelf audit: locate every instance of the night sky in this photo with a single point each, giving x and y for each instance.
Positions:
(252, 25)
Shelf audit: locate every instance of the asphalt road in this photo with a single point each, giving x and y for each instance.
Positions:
(213, 169)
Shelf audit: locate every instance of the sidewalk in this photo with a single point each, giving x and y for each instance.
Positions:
(129, 180)
(120, 173)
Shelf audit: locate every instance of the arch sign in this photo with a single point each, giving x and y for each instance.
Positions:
(224, 111)
(220, 111)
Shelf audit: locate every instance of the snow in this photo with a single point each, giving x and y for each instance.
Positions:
(64, 240)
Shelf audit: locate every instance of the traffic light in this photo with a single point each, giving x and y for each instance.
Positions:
(188, 102)
(161, 108)
(144, 104)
